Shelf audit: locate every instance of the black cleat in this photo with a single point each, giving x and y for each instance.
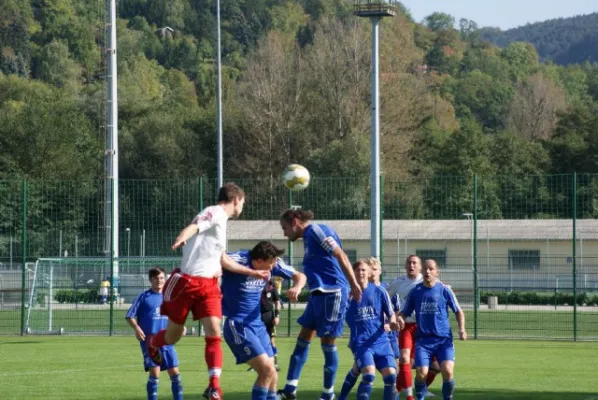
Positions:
(282, 395)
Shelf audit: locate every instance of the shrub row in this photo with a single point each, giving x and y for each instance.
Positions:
(77, 296)
(534, 298)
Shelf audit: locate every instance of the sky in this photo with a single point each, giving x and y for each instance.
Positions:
(505, 14)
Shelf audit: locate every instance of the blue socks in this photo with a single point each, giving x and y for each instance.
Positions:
(420, 389)
(176, 384)
(271, 396)
(298, 359)
(447, 389)
(348, 384)
(259, 393)
(330, 367)
(152, 388)
(390, 382)
(365, 386)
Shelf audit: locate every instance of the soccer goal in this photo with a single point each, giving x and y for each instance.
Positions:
(75, 295)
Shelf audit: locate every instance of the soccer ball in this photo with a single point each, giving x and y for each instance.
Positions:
(295, 177)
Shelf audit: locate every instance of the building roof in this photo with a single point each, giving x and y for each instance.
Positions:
(553, 229)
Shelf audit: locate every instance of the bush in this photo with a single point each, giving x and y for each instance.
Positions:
(76, 296)
(534, 298)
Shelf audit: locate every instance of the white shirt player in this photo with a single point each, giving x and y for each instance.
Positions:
(402, 286)
(202, 252)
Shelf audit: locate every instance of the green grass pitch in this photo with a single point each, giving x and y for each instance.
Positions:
(100, 367)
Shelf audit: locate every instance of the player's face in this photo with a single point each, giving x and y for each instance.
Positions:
(290, 229)
(413, 266)
(362, 273)
(238, 206)
(157, 282)
(376, 272)
(264, 265)
(430, 272)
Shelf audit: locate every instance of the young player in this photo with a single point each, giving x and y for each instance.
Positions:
(430, 301)
(195, 288)
(145, 319)
(244, 331)
(353, 374)
(369, 339)
(329, 276)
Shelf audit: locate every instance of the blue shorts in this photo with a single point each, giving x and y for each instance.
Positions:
(247, 341)
(429, 347)
(394, 344)
(169, 358)
(325, 313)
(380, 355)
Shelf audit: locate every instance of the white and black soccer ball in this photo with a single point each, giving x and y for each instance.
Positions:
(296, 177)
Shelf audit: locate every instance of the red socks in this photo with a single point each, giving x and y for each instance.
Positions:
(430, 378)
(405, 377)
(214, 357)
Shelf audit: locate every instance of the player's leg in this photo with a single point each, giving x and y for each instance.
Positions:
(266, 377)
(404, 376)
(328, 329)
(152, 383)
(423, 355)
(299, 356)
(432, 372)
(349, 383)
(384, 360)
(364, 390)
(171, 364)
(446, 357)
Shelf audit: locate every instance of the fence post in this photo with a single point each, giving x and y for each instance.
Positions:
(574, 190)
(200, 208)
(381, 249)
(290, 253)
(476, 294)
(24, 255)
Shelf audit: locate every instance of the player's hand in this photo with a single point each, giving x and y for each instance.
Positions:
(394, 326)
(139, 334)
(355, 292)
(401, 323)
(178, 244)
(386, 328)
(276, 321)
(265, 275)
(462, 335)
(293, 294)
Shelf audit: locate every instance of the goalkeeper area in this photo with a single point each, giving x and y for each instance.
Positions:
(100, 368)
(69, 296)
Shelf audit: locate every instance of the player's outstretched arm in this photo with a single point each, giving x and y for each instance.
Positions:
(299, 281)
(232, 266)
(185, 235)
(345, 264)
(461, 323)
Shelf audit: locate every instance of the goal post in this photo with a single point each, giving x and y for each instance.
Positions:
(73, 295)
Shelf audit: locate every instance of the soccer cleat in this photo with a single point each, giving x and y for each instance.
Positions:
(327, 397)
(250, 369)
(429, 394)
(277, 368)
(212, 393)
(282, 395)
(153, 352)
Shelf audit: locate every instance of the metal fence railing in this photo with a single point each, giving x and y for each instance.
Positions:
(520, 252)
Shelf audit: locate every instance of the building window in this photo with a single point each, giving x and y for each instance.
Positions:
(437, 255)
(524, 259)
(352, 254)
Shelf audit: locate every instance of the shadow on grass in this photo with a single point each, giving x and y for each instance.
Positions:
(22, 342)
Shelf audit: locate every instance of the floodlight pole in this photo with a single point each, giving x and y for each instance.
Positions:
(375, 10)
(111, 208)
(219, 102)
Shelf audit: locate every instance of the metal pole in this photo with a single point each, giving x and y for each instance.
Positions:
(476, 299)
(50, 297)
(128, 250)
(24, 255)
(375, 143)
(111, 220)
(574, 200)
(60, 244)
(219, 96)
(290, 252)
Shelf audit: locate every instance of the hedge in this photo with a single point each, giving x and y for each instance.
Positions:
(77, 296)
(534, 298)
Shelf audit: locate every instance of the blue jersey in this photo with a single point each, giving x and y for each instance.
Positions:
(146, 310)
(321, 268)
(367, 317)
(241, 294)
(431, 309)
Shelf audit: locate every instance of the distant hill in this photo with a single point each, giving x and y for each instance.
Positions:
(562, 40)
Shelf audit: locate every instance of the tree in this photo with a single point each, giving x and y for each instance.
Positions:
(53, 65)
(439, 21)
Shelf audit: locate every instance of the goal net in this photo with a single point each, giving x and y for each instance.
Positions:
(74, 295)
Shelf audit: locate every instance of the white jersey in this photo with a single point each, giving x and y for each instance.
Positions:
(203, 251)
(402, 286)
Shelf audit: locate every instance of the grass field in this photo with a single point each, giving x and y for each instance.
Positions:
(68, 367)
(548, 324)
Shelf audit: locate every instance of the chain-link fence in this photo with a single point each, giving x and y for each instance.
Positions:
(520, 252)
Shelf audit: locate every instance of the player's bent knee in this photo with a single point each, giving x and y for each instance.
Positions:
(405, 357)
(370, 369)
(390, 380)
(446, 369)
(211, 326)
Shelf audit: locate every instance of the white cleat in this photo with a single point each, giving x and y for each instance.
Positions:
(430, 394)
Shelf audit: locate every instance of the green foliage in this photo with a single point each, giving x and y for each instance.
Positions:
(541, 299)
(76, 296)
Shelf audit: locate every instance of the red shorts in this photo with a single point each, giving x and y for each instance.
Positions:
(407, 338)
(183, 293)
